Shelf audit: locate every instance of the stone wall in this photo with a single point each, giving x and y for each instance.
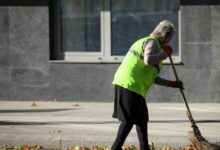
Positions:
(24, 57)
(26, 72)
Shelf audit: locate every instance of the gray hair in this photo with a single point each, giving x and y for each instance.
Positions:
(165, 29)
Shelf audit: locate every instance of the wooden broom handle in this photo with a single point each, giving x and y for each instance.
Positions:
(181, 90)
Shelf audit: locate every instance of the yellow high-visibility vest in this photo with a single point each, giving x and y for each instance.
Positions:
(133, 74)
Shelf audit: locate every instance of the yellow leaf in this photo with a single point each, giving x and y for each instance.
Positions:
(34, 104)
(168, 148)
(76, 148)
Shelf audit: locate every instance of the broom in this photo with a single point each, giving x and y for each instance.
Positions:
(195, 137)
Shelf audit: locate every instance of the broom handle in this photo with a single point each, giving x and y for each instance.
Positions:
(181, 90)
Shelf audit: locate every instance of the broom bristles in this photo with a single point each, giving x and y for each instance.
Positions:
(198, 141)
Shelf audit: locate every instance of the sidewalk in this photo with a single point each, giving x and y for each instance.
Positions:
(86, 124)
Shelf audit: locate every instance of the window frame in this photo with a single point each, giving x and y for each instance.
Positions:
(104, 55)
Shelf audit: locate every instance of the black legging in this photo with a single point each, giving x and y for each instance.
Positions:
(123, 131)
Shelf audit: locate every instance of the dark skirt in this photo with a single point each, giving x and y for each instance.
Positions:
(129, 106)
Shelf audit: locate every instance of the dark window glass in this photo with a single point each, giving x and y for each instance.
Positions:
(80, 23)
(131, 20)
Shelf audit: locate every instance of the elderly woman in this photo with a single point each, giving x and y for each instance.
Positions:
(138, 71)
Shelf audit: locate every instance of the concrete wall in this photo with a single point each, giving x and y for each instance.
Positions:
(27, 74)
(24, 46)
(199, 43)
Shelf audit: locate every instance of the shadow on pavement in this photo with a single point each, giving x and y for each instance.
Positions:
(33, 110)
(97, 122)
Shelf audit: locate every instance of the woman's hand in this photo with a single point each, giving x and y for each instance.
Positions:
(176, 84)
(168, 50)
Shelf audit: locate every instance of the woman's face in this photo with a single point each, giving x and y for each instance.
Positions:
(169, 37)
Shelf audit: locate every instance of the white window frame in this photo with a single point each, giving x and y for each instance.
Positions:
(104, 56)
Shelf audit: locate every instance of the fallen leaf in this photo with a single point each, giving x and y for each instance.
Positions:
(25, 147)
(76, 105)
(34, 104)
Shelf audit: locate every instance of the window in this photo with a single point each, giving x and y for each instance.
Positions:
(80, 25)
(103, 30)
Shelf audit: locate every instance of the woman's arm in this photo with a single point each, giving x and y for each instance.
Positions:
(168, 83)
(161, 81)
(151, 56)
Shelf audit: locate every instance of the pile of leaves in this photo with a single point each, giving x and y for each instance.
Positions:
(37, 147)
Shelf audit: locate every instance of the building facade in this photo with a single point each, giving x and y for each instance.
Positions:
(69, 50)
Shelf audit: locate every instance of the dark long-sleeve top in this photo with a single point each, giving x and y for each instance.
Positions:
(151, 57)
